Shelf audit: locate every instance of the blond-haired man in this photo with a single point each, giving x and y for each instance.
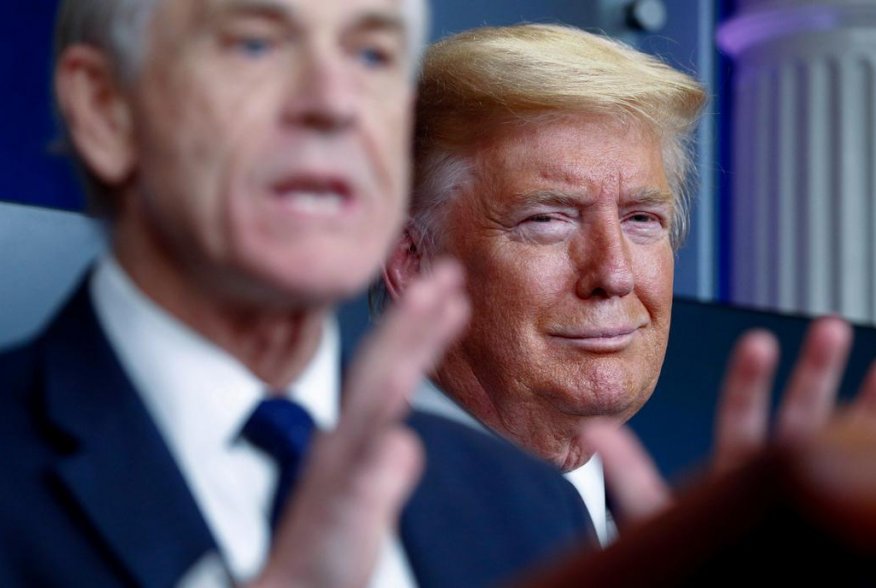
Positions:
(553, 164)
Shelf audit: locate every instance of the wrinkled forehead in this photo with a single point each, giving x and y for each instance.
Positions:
(541, 135)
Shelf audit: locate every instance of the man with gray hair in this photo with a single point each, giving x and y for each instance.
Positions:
(553, 164)
(252, 159)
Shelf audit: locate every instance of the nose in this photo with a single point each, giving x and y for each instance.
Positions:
(603, 261)
(322, 96)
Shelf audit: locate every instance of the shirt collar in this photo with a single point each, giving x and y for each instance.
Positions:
(199, 395)
(318, 386)
(429, 398)
(588, 479)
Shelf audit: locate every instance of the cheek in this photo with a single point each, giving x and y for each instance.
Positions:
(654, 279)
(511, 289)
(534, 276)
(182, 139)
(386, 167)
(387, 112)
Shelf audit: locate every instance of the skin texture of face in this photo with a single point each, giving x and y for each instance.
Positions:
(258, 162)
(271, 143)
(565, 241)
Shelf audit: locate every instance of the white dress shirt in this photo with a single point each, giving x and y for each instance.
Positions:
(200, 397)
(588, 480)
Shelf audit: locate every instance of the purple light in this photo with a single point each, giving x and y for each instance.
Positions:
(749, 29)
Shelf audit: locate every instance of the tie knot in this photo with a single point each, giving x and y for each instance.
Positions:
(281, 428)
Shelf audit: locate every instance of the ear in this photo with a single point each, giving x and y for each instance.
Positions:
(97, 115)
(403, 265)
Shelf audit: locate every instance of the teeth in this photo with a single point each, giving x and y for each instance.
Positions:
(314, 202)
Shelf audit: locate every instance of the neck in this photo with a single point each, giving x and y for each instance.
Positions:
(514, 413)
(275, 341)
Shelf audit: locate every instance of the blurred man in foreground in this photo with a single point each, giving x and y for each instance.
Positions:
(252, 159)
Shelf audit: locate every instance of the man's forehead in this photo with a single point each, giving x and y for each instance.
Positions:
(178, 20)
(557, 143)
(336, 10)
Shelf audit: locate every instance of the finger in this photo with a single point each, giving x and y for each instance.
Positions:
(403, 348)
(372, 484)
(637, 489)
(386, 477)
(342, 514)
(865, 402)
(812, 389)
(742, 418)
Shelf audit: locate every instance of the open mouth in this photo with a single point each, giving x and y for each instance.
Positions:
(314, 197)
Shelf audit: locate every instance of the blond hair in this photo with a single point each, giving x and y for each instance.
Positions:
(475, 80)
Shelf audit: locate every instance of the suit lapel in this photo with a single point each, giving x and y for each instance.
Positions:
(121, 473)
(485, 506)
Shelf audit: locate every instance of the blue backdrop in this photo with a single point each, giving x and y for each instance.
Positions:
(29, 172)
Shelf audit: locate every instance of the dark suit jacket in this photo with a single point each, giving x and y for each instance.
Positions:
(90, 495)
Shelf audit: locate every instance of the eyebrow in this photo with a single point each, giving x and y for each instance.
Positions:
(373, 20)
(575, 199)
(380, 21)
(550, 197)
(269, 8)
(652, 197)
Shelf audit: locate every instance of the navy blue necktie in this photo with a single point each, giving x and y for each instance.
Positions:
(282, 429)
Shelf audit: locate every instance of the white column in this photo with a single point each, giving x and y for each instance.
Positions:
(804, 159)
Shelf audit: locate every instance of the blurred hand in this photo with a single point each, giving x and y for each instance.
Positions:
(742, 426)
(358, 476)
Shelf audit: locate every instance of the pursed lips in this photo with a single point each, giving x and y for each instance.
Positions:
(599, 339)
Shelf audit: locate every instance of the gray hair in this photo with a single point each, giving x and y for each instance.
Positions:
(114, 26)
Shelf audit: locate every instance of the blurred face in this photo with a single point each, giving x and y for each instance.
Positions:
(272, 143)
(565, 239)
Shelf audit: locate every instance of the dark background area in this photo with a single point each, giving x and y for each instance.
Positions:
(30, 172)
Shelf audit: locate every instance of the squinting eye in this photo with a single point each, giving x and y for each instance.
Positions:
(545, 228)
(646, 225)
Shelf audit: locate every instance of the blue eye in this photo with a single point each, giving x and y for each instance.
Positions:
(372, 57)
(254, 46)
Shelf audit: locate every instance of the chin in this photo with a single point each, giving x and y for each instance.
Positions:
(589, 401)
(322, 289)
(311, 275)
(608, 389)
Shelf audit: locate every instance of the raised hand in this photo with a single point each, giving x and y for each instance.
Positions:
(358, 476)
(743, 416)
